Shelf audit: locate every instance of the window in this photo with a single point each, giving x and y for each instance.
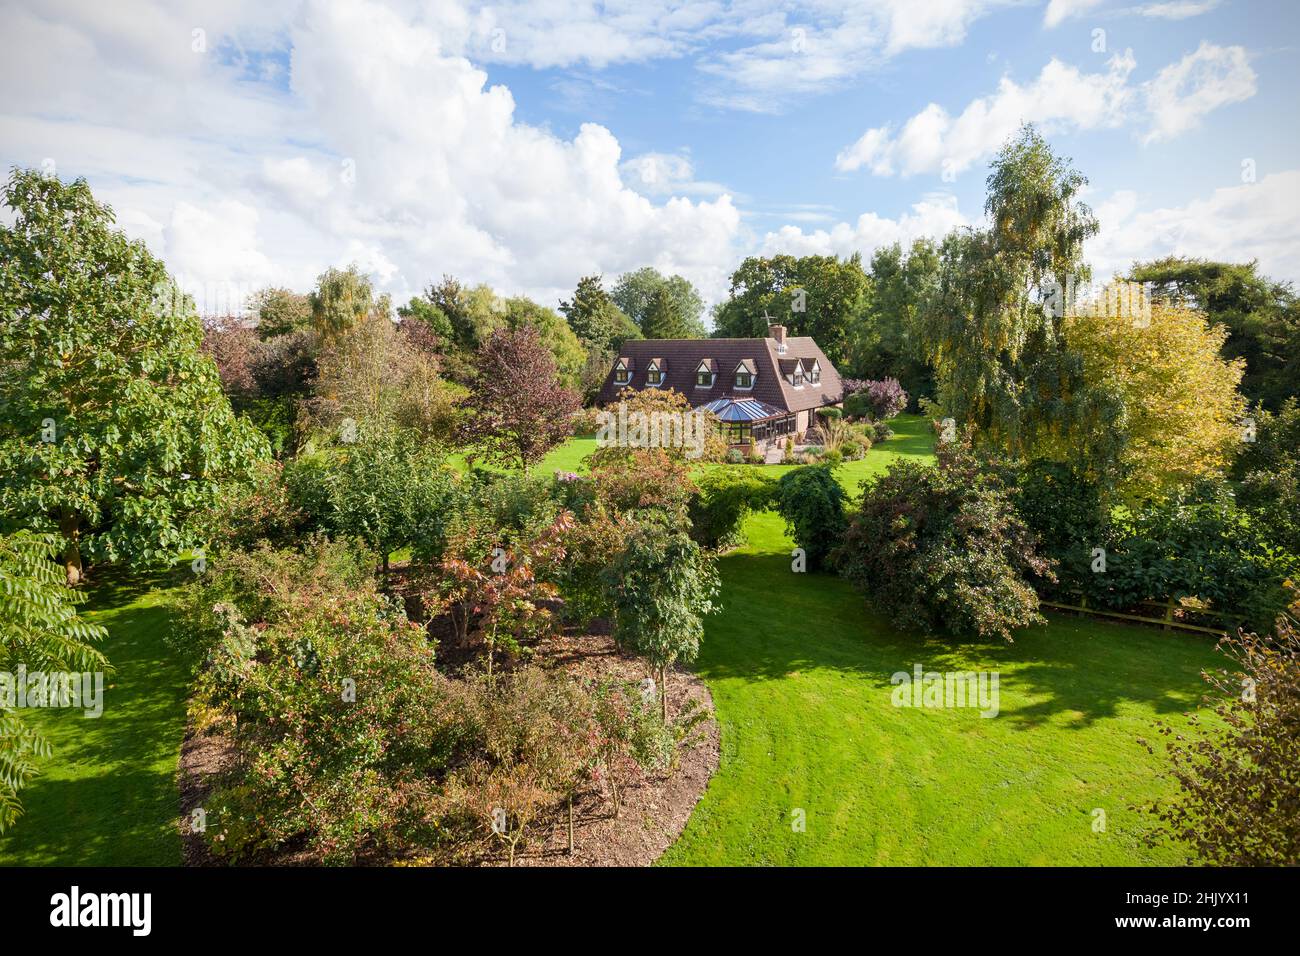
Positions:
(620, 374)
(797, 377)
(704, 378)
(738, 433)
(653, 376)
(744, 378)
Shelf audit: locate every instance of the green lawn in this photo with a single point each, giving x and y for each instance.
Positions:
(108, 797)
(800, 670)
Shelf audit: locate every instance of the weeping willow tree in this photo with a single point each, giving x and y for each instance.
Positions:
(993, 328)
(41, 632)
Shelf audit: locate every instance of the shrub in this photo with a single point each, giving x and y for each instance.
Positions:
(1238, 804)
(886, 397)
(1269, 469)
(330, 697)
(812, 503)
(858, 405)
(943, 549)
(881, 432)
(635, 478)
(723, 499)
(1197, 544)
(1063, 508)
(830, 411)
(662, 585)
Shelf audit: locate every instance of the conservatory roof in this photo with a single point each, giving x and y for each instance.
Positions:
(742, 409)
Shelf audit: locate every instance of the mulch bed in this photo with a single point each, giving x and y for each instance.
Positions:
(653, 813)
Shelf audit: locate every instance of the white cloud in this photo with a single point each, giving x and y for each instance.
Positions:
(661, 174)
(1202, 81)
(1062, 97)
(826, 44)
(1258, 220)
(385, 149)
(1060, 10)
(1176, 9)
(935, 216)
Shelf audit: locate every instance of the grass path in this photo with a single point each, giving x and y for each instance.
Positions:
(108, 797)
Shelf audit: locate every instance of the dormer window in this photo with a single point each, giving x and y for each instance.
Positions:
(654, 373)
(704, 374)
(622, 372)
(815, 373)
(797, 377)
(744, 375)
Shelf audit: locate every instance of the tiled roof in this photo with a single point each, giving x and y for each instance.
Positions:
(683, 358)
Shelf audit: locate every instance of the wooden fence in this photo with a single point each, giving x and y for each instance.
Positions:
(1166, 619)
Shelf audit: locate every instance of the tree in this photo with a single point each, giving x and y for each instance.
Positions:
(886, 341)
(553, 332)
(1269, 470)
(595, 319)
(372, 373)
(113, 426)
(421, 313)
(663, 585)
(517, 410)
(39, 630)
(634, 293)
(280, 312)
(384, 489)
(341, 299)
(1181, 413)
(1262, 318)
(991, 329)
(819, 296)
(663, 318)
(470, 314)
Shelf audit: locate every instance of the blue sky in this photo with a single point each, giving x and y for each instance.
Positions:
(527, 144)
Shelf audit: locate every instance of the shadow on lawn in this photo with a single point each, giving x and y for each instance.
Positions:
(1083, 669)
(108, 793)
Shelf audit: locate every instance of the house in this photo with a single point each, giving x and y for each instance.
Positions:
(762, 390)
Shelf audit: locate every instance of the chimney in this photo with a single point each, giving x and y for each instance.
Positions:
(776, 332)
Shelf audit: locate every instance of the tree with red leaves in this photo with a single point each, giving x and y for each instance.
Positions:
(518, 410)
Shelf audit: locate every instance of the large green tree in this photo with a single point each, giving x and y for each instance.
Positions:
(664, 319)
(280, 311)
(341, 299)
(1262, 318)
(886, 341)
(113, 426)
(634, 293)
(595, 319)
(992, 329)
(820, 296)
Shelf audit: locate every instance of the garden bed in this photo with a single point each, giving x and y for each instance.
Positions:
(654, 809)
